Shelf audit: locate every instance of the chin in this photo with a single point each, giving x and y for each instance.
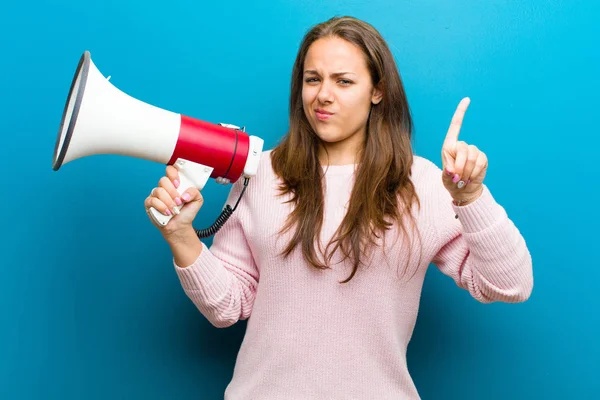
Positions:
(330, 137)
(325, 133)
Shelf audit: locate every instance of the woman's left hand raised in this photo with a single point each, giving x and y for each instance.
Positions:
(464, 165)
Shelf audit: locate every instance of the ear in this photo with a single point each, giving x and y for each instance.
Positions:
(377, 95)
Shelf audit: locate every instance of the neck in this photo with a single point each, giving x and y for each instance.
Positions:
(341, 153)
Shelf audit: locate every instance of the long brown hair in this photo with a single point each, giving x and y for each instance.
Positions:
(383, 191)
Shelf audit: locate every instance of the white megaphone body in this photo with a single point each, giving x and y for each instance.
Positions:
(98, 118)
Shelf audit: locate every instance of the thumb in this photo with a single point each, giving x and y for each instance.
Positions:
(192, 199)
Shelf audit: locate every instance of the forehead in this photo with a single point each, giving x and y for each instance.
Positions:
(332, 54)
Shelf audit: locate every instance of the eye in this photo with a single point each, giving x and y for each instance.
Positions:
(311, 80)
(345, 82)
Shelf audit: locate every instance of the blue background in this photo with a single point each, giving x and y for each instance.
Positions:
(90, 305)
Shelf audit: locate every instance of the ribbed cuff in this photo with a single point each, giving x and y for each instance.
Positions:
(206, 271)
(480, 214)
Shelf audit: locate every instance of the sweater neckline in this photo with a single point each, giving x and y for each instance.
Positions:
(344, 169)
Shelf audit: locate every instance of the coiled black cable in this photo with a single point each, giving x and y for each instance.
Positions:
(225, 214)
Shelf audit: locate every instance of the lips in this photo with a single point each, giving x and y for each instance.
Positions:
(323, 114)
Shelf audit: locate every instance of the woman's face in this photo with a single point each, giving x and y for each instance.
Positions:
(337, 94)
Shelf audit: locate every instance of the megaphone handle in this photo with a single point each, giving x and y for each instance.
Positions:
(191, 174)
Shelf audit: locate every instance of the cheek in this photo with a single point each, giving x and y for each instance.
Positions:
(307, 95)
(307, 101)
(305, 104)
(357, 105)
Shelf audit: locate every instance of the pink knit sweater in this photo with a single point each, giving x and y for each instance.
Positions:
(309, 336)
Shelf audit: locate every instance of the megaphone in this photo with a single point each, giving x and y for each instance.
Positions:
(98, 118)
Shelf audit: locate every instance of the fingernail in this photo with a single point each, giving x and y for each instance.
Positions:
(448, 172)
(168, 212)
(456, 178)
(468, 181)
(178, 201)
(185, 196)
(176, 183)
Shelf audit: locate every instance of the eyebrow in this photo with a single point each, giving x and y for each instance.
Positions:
(334, 75)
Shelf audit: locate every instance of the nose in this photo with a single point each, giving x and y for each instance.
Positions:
(325, 95)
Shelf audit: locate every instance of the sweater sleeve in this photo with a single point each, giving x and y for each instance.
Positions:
(222, 281)
(482, 250)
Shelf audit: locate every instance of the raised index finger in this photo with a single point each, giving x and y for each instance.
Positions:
(457, 120)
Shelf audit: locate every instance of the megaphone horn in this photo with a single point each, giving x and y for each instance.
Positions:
(98, 118)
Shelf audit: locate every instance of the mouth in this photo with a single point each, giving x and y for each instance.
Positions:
(322, 115)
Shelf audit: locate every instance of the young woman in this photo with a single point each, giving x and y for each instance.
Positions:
(327, 251)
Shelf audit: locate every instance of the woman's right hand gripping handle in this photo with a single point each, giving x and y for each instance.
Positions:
(178, 232)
